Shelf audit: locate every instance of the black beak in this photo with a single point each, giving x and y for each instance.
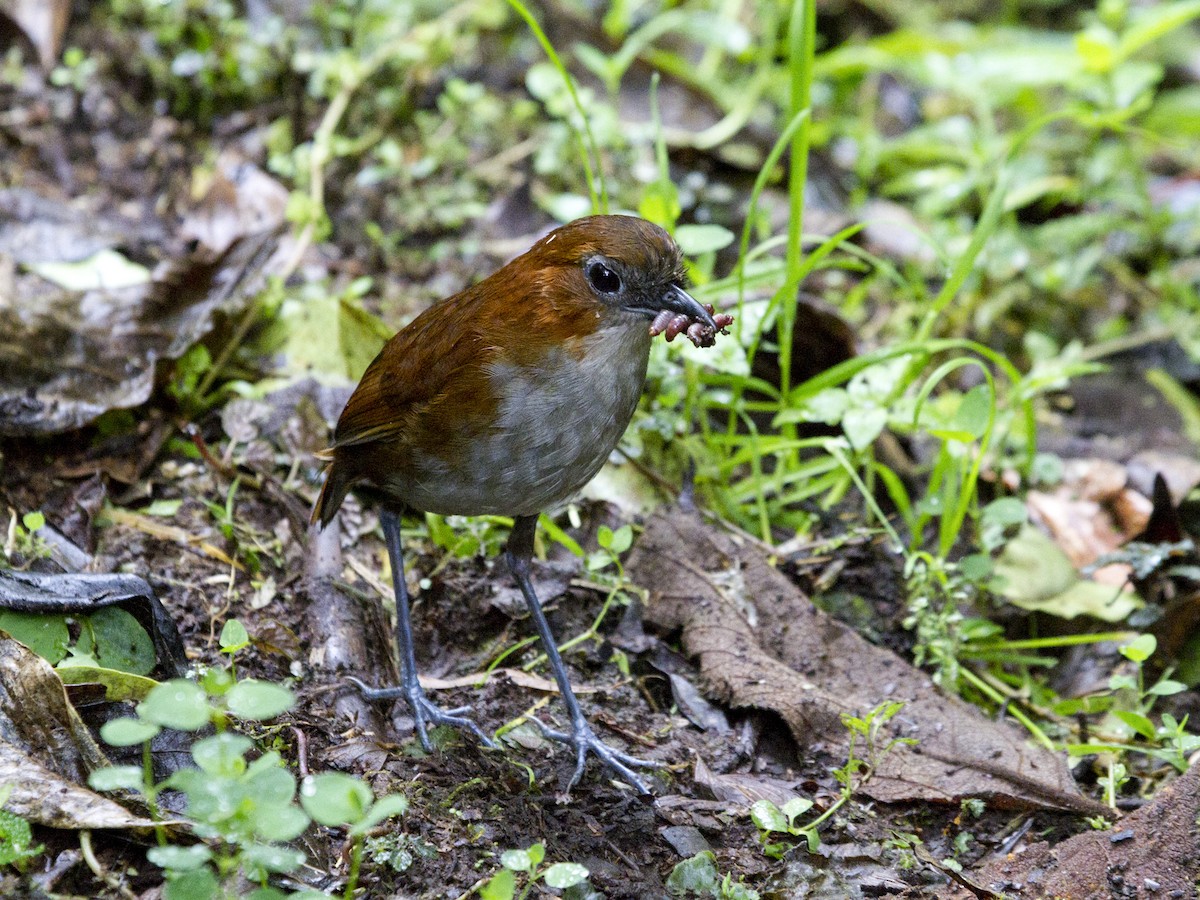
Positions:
(675, 299)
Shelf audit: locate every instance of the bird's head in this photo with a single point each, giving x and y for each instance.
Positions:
(620, 265)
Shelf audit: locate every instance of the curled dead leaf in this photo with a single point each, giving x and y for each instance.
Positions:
(810, 669)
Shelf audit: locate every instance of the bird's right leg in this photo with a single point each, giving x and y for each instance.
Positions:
(582, 737)
(424, 712)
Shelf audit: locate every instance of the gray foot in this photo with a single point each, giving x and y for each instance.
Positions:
(424, 712)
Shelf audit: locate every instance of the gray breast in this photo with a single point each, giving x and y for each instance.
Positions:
(556, 426)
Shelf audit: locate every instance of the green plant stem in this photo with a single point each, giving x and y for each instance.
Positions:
(531, 880)
(801, 50)
(842, 800)
(356, 853)
(1171, 757)
(989, 219)
(150, 792)
(961, 490)
(836, 451)
(587, 634)
(660, 145)
(588, 150)
(760, 183)
(1000, 700)
(1070, 640)
(794, 139)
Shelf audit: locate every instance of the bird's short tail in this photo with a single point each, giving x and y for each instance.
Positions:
(333, 491)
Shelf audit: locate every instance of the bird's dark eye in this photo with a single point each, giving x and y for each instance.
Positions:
(603, 279)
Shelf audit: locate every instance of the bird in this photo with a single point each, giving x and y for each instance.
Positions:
(506, 399)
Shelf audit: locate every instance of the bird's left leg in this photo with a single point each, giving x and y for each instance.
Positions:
(425, 713)
(582, 738)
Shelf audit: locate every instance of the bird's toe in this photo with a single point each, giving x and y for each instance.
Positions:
(584, 740)
(425, 714)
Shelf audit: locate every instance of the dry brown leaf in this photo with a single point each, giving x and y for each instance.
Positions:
(46, 752)
(241, 200)
(810, 669)
(744, 790)
(1092, 512)
(72, 356)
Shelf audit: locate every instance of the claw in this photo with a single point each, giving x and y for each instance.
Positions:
(583, 739)
(425, 713)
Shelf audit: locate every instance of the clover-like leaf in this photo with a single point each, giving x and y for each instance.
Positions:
(222, 754)
(116, 778)
(128, 731)
(565, 875)
(258, 700)
(333, 798)
(181, 859)
(177, 703)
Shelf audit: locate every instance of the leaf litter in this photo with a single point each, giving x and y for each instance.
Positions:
(762, 644)
(626, 844)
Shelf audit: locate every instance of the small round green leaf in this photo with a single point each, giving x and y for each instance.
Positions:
(116, 778)
(1004, 511)
(863, 424)
(270, 781)
(127, 731)
(975, 566)
(604, 536)
(829, 406)
(181, 859)
(1140, 648)
(271, 859)
(121, 642)
(1166, 687)
(233, 636)
(280, 823)
(622, 539)
(216, 682)
(974, 411)
(797, 806)
(696, 875)
(332, 798)
(177, 703)
(516, 860)
(565, 875)
(660, 203)
(222, 755)
(47, 636)
(501, 886)
(767, 816)
(258, 700)
(198, 884)
(696, 239)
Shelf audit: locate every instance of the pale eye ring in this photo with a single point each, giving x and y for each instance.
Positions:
(603, 279)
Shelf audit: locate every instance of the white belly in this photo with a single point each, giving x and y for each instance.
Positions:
(555, 427)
